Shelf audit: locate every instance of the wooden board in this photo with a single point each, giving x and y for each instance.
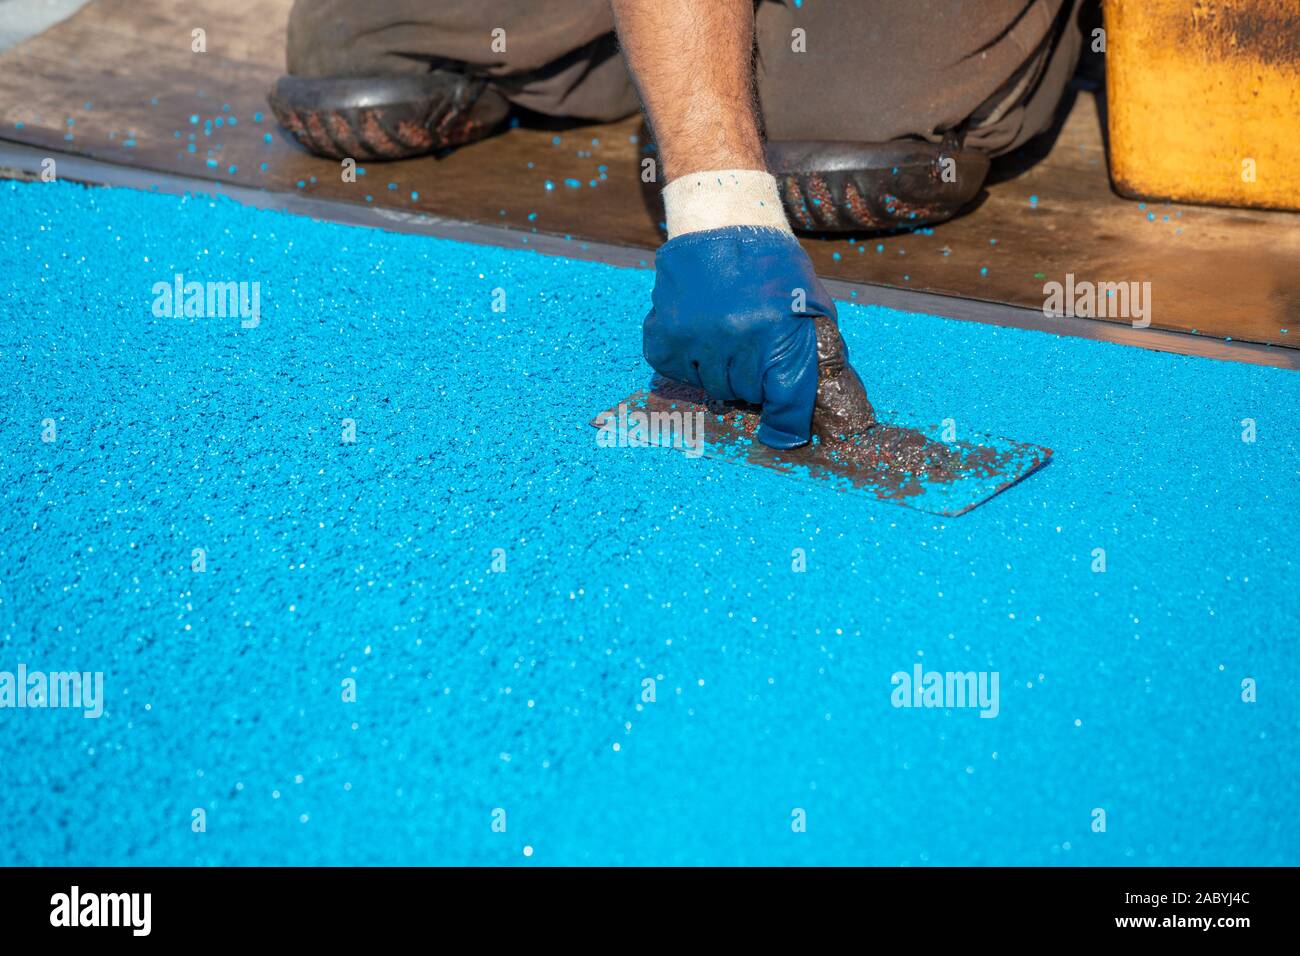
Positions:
(123, 73)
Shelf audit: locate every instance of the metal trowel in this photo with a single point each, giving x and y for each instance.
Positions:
(853, 450)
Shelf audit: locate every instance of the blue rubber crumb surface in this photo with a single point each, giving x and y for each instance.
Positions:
(522, 689)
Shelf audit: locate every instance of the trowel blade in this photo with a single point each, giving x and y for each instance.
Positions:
(903, 465)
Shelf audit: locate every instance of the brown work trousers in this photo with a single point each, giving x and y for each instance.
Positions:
(859, 70)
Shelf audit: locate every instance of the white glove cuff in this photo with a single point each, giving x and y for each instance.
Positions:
(717, 198)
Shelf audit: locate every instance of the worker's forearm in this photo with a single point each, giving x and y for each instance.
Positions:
(692, 61)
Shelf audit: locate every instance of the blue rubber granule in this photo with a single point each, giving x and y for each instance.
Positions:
(501, 588)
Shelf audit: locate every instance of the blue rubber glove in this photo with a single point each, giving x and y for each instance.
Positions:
(725, 319)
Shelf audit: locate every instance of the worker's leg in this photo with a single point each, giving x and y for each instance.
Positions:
(976, 78)
(394, 79)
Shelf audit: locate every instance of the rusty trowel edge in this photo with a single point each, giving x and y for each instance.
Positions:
(1033, 469)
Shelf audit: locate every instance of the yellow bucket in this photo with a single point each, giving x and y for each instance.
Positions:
(1204, 100)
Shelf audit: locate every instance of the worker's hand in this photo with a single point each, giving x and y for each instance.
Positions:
(733, 313)
(735, 299)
